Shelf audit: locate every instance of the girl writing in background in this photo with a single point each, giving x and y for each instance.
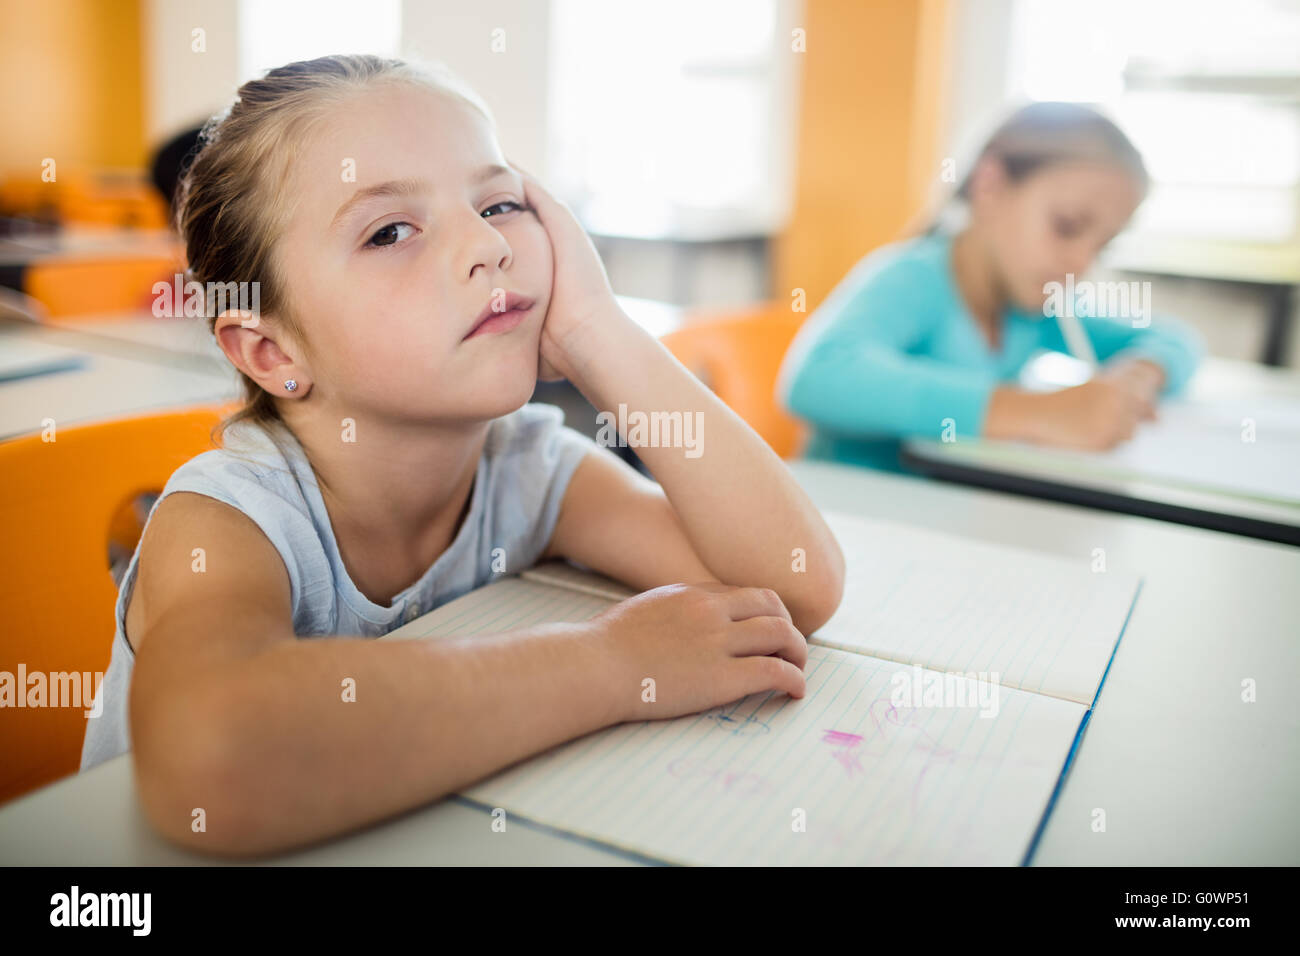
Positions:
(932, 332)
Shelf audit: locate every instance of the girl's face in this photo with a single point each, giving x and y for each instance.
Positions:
(1052, 223)
(408, 227)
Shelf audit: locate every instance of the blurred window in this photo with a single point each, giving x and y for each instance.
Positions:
(1209, 92)
(665, 116)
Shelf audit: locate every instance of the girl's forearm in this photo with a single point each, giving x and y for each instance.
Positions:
(1012, 415)
(745, 515)
(279, 755)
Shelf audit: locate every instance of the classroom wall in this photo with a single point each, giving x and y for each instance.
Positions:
(184, 87)
(70, 85)
(513, 80)
(870, 131)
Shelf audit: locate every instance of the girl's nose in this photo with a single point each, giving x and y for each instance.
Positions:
(481, 246)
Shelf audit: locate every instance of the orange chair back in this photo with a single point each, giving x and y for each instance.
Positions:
(57, 505)
(97, 197)
(82, 287)
(105, 200)
(738, 354)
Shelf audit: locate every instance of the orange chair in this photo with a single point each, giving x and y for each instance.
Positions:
(81, 287)
(58, 502)
(738, 354)
(96, 197)
(108, 200)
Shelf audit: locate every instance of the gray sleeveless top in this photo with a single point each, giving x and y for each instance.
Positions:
(527, 461)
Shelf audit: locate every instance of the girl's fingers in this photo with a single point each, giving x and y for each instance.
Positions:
(743, 603)
(766, 636)
(1145, 409)
(756, 674)
(554, 215)
(534, 191)
(519, 169)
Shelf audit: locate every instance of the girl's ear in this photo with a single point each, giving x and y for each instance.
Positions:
(251, 344)
(988, 181)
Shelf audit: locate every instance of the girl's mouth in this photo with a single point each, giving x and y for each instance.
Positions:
(491, 321)
(499, 322)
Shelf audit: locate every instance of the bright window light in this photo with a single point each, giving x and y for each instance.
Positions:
(275, 32)
(1209, 92)
(663, 115)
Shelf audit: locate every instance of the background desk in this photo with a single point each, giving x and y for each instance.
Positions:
(1272, 267)
(118, 378)
(1046, 473)
(1186, 772)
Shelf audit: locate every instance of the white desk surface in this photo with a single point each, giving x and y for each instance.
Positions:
(142, 335)
(1217, 380)
(1186, 772)
(119, 378)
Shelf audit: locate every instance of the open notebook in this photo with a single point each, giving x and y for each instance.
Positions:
(1192, 445)
(853, 773)
(1224, 441)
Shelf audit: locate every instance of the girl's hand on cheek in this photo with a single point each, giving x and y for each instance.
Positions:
(580, 290)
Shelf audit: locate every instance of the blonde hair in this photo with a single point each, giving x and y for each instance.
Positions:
(1042, 134)
(236, 198)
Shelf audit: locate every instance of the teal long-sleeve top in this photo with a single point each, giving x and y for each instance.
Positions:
(894, 353)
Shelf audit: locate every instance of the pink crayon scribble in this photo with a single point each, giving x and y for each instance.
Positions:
(842, 738)
(844, 749)
(885, 714)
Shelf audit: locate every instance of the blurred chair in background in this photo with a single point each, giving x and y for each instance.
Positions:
(738, 354)
(84, 287)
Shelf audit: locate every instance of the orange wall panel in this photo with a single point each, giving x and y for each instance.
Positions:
(71, 85)
(870, 117)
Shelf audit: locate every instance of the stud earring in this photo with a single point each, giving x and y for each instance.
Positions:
(290, 385)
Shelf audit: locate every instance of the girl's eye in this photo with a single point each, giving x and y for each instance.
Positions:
(389, 235)
(508, 206)
(1067, 228)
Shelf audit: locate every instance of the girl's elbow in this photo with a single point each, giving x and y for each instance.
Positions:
(188, 780)
(821, 594)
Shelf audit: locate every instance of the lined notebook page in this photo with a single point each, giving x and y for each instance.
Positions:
(1195, 445)
(870, 781)
(1201, 445)
(512, 602)
(1041, 623)
(914, 596)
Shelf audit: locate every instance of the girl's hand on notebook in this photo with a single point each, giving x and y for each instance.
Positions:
(702, 645)
(1096, 415)
(580, 290)
(1139, 377)
(1093, 416)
